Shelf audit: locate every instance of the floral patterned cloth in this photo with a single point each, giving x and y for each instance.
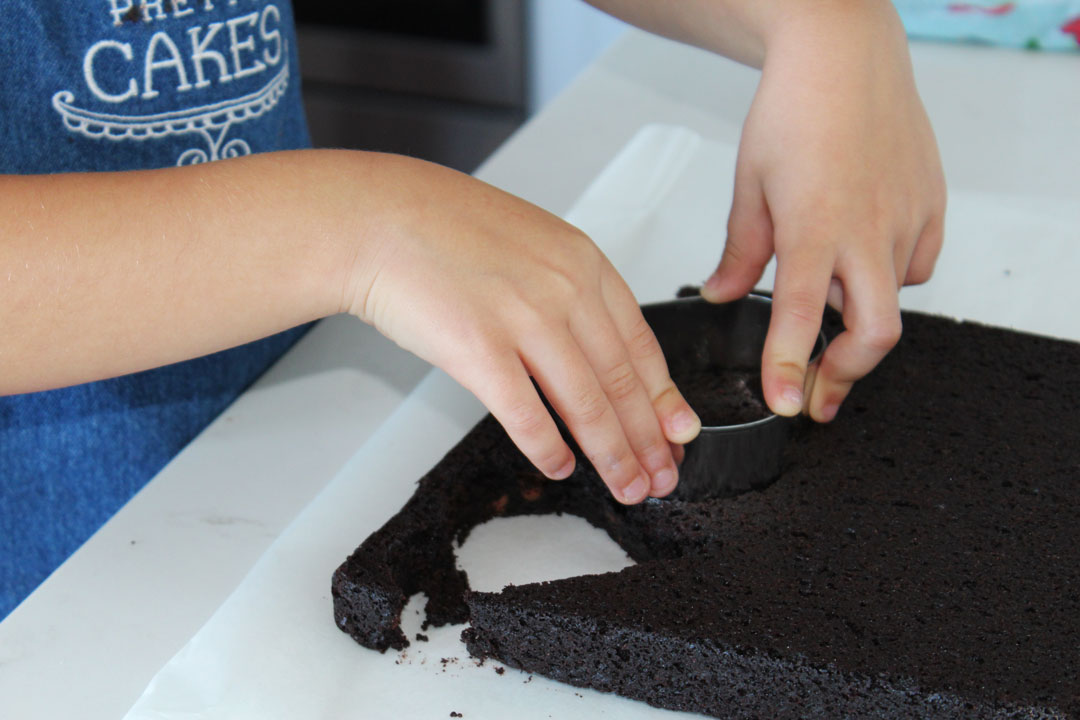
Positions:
(1031, 24)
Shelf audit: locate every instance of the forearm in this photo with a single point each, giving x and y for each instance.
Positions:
(744, 30)
(109, 273)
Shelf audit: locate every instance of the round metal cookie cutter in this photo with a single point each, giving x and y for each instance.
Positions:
(696, 335)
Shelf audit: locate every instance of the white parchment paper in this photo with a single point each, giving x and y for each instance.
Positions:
(659, 211)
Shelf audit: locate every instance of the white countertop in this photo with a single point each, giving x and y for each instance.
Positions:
(88, 641)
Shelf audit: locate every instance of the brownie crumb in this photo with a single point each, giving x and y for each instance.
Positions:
(455, 714)
(421, 637)
(500, 670)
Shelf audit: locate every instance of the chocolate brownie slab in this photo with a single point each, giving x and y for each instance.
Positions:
(918, 557)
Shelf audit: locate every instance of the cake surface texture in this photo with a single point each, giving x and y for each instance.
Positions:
(730, 397)
(918, 557)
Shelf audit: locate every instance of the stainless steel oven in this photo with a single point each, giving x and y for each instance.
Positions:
(438, 79)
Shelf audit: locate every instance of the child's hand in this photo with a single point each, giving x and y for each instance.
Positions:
(484, 285)
(839, 175)
(494, 290)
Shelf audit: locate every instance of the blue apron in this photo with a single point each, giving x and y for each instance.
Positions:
(93, 85)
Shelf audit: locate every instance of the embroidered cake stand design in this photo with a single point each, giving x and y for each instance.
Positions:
(212, 122)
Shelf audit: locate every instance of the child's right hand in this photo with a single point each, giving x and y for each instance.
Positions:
(488, 287)
(494, 290)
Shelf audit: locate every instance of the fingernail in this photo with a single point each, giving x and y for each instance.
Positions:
(664, 482)
(563, 472)
(683, 422)
(711, 286)
(790, 401)
(636, 491)
(828, 412)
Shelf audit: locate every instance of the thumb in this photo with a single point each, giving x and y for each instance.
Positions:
(749, 245)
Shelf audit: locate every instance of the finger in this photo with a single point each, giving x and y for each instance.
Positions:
(872, 322)
(903, 250)
(678, 452)
(802, 284)
(678, 420)
(808, 384)
(749, 245)
(604, 349)
(502, 384)
(574, 390)
(835, 296)
(927, 249)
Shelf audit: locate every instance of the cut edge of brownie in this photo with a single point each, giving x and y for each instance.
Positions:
(528, 627)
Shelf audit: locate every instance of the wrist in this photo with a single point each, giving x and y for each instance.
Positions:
(831, 26)
(382, 196)
(339, 206)
(850, 54)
